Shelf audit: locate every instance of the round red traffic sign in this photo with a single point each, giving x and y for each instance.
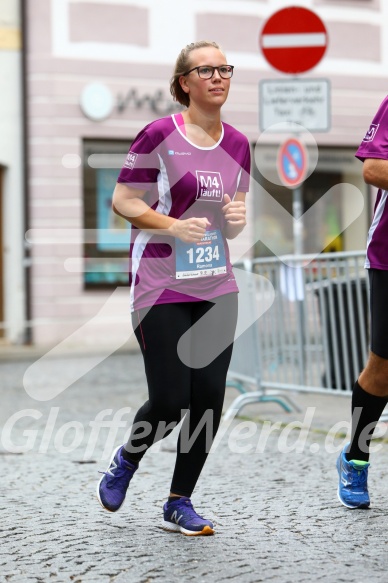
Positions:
(292, 162)
(293, 40)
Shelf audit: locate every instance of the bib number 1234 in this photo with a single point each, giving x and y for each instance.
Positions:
(202, 259)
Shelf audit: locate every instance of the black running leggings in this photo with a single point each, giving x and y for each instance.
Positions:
(175, 386)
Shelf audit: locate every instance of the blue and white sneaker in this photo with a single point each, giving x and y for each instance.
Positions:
(112, 488)
(180, 516)
(353, 481)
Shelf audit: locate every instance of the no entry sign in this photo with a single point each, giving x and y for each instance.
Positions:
(292, 162)
(293, 40)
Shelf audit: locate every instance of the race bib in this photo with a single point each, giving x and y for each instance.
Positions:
(202, 259)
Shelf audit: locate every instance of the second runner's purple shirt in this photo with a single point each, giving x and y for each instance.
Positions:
(183, 180)
(375, 145)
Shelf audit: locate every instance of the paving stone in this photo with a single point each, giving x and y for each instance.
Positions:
(277, 515)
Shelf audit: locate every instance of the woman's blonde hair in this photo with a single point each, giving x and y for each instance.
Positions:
(182, 65)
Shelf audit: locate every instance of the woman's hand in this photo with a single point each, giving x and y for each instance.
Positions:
(235, 214)
(189, 230)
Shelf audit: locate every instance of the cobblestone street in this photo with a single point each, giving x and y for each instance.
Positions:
(277, 514)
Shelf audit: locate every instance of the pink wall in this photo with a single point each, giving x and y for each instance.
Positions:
(109, 23)
(57, 124)
(233, 32)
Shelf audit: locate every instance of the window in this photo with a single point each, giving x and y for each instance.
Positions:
(107, 236)
(273, 235)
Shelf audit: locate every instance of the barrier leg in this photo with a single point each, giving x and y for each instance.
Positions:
(259, 397)
(236, 385)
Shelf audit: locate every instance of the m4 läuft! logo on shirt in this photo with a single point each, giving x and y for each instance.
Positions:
(209, 186)
(370, 134)
(130, 160)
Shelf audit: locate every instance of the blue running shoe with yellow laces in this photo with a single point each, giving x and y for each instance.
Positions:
(353, 481)
(112, 488)
(180, 516)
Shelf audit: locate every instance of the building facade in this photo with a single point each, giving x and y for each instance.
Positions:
(13, 300)
(98, 71)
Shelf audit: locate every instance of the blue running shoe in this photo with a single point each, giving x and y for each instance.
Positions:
(353, 482)
(180, 516)
(112, 488)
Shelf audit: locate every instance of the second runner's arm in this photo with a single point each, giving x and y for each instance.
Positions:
(375, 172)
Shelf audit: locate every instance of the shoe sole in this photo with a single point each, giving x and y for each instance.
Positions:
(171, 527)
(98, 485)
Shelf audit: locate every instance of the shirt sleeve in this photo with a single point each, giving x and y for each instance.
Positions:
(243, 184)
(375, 142)
(141, 167)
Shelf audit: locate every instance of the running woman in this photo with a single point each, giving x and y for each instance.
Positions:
(370, 392)
(183, 189)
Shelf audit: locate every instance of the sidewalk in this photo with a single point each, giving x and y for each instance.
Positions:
(277, 515)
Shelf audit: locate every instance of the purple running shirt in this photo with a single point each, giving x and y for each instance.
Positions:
(183, 180)
(375, 145)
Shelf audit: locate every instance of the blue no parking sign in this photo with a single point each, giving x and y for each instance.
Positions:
(292, 162)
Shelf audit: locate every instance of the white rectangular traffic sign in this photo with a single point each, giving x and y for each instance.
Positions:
(305, 102)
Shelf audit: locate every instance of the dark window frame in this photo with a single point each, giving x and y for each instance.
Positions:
(106, 278)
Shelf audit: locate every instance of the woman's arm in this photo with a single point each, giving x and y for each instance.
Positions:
(235, 215)
(128, 203)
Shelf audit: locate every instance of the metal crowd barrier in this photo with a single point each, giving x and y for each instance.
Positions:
(313, 338)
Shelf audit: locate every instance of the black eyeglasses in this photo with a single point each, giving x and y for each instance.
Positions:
(207, 71)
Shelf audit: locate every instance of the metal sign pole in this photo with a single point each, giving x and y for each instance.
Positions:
(297, 211)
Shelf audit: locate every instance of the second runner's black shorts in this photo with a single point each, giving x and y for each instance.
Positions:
(378, 280)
